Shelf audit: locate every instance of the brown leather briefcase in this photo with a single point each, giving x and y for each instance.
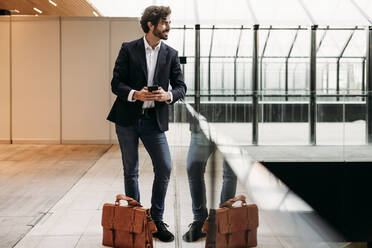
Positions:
(232, 227)
(128, 226)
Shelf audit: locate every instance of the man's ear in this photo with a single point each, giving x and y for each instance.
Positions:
(149, 24)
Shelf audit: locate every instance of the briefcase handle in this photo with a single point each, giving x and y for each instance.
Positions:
(229, 203)
(130, 201)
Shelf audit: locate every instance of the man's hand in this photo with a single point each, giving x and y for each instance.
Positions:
(161, 95)
(144, 95)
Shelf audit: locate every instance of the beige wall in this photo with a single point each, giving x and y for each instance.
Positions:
(35, 79)
(85, 77)
(60, 77)
(5, 79)
(122, 30)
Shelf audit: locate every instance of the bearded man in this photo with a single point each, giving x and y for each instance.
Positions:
(143, 72)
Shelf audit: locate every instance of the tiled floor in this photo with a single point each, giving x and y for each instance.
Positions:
(33, 178)
(58, 191)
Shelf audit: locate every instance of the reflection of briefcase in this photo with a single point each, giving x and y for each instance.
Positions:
(127, 226)
(232, 227)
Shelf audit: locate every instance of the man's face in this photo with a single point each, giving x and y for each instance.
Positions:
(162, 29)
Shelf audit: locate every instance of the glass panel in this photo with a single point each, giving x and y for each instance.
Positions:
(189, 75)
(330, 126)
(283, 123)
(214, 166)
(351, 72)
(244, 75)
(298, 76)
(222, 77)
(273, 75)
(326, 77)
(355, 141)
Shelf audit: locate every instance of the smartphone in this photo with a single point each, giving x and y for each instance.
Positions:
(152, 88)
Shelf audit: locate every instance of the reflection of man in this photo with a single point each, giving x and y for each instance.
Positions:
(200, 150)
(139, 113)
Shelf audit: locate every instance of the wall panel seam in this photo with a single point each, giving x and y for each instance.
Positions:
(10, 82)
(60, 80)
(109, 75)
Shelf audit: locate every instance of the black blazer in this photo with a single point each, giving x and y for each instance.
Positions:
(130, 72)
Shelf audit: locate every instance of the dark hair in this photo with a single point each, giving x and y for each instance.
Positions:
(153, 14)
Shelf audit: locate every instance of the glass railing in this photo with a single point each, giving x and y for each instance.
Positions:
(215, 163)
(301, 186)
(283, 121)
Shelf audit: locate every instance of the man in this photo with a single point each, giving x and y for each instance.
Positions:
(200, 150)
(139, 113)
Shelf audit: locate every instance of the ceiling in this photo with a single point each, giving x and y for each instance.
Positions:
(63, 8)
(248, 12)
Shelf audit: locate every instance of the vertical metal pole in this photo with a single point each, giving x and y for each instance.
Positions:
(197, 67)
(338, 79)
(312, 105)
(209, 65)
(183, 48)
(369, 86)
(255, 86)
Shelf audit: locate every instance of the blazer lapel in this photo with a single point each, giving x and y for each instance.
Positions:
(142, 56)
(162, 55)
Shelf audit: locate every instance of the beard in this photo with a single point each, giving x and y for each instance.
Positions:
(161, 35)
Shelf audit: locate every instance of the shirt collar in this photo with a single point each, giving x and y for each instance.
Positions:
(147, 46)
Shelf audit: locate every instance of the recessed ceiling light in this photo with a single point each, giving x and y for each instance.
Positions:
(37, 10)
(95, 13)
(15, 10)
(53, 3)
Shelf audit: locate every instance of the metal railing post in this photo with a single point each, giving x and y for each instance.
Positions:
(197, 68)
(255, 108)
(312, 77)
(369, 86)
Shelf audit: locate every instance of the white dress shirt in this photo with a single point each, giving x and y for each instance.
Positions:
(151, 59)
